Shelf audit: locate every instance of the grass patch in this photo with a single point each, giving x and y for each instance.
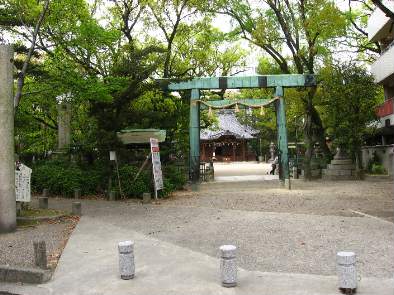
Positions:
(40, 213)
(27, 223)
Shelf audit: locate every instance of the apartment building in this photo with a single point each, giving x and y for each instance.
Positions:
(381, 30)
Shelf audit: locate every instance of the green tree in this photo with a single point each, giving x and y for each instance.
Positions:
(296, 34)
(350, 98)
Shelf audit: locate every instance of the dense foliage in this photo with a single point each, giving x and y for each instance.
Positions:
(63, 177)
(102, 57)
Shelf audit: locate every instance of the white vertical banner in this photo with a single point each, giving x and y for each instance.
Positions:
(157, 174)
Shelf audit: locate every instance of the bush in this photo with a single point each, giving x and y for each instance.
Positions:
(175, 176)
(173, 179)
(378, 169)
(131, 188)
(62, 178)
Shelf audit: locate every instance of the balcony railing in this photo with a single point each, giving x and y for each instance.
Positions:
(383, 67)
(379, 25)
(386, 108)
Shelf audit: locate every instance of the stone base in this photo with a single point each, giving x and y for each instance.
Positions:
(348, 291)
(24, 275)
(229, 285)
(124, 277)
(332, 177)
(340, 169)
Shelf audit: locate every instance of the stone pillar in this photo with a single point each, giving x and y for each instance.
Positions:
(43, 202)
(40, 254)
(126, 260)
(45, 192)
(347, 276)
(228, 266)
(112, 196)
(7, 166)
(272, 152)
(77, 193)
(76, 208)
(146, 198)
(64, 125)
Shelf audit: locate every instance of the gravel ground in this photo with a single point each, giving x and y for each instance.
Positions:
(317, 197)
(276, 230)
(17, 247)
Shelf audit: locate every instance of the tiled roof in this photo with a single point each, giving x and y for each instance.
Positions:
(228, 125)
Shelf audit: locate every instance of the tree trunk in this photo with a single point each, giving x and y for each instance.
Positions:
(7, 166)
(308, 140)
(313, 129)
(319, 132)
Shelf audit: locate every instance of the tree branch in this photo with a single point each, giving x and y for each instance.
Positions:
(22, 73)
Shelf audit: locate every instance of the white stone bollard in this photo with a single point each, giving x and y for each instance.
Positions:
(228, 266)
(347, 275)
(126, 260)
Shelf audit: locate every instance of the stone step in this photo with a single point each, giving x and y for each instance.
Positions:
(337, 172)
(342, 162)
(336, 177)
(315, 172)
(341, 166)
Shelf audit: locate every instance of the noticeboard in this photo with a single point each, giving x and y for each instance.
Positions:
(22, 183)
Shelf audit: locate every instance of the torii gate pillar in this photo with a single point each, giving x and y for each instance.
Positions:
(194, 136)
(283, 156)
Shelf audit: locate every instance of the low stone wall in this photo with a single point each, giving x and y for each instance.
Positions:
(384, 152)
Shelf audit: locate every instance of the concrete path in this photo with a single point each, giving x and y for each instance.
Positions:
(287, 241)
(89, 265)
(243, 171)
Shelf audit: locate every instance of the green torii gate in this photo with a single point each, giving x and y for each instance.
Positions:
(279, 82)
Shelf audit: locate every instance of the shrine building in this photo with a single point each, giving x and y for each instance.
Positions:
(229, 142)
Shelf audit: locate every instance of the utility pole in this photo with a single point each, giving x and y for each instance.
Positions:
(7, 166)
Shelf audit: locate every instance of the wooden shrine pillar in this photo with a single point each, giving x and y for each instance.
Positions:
(194, 136)
(283, 156)
(203, 155)
(243, 150)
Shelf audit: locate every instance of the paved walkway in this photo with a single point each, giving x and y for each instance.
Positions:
(176, 245)
(89, 265)
(243, 171)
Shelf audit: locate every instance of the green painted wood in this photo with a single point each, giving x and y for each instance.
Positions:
(256, 81)
(242, 103)
(282, 135)
(194, 136)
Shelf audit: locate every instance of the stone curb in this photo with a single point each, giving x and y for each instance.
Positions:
(41, 218)
(25, 275)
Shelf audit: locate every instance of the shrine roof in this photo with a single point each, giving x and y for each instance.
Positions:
(229, 125)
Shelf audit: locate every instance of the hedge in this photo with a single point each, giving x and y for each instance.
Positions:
(62, 178)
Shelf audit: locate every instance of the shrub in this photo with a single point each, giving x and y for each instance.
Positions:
(378, 169)
(175, 175)
(131, 188)
(62, 178)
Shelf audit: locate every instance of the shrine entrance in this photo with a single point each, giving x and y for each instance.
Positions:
(278, 82)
